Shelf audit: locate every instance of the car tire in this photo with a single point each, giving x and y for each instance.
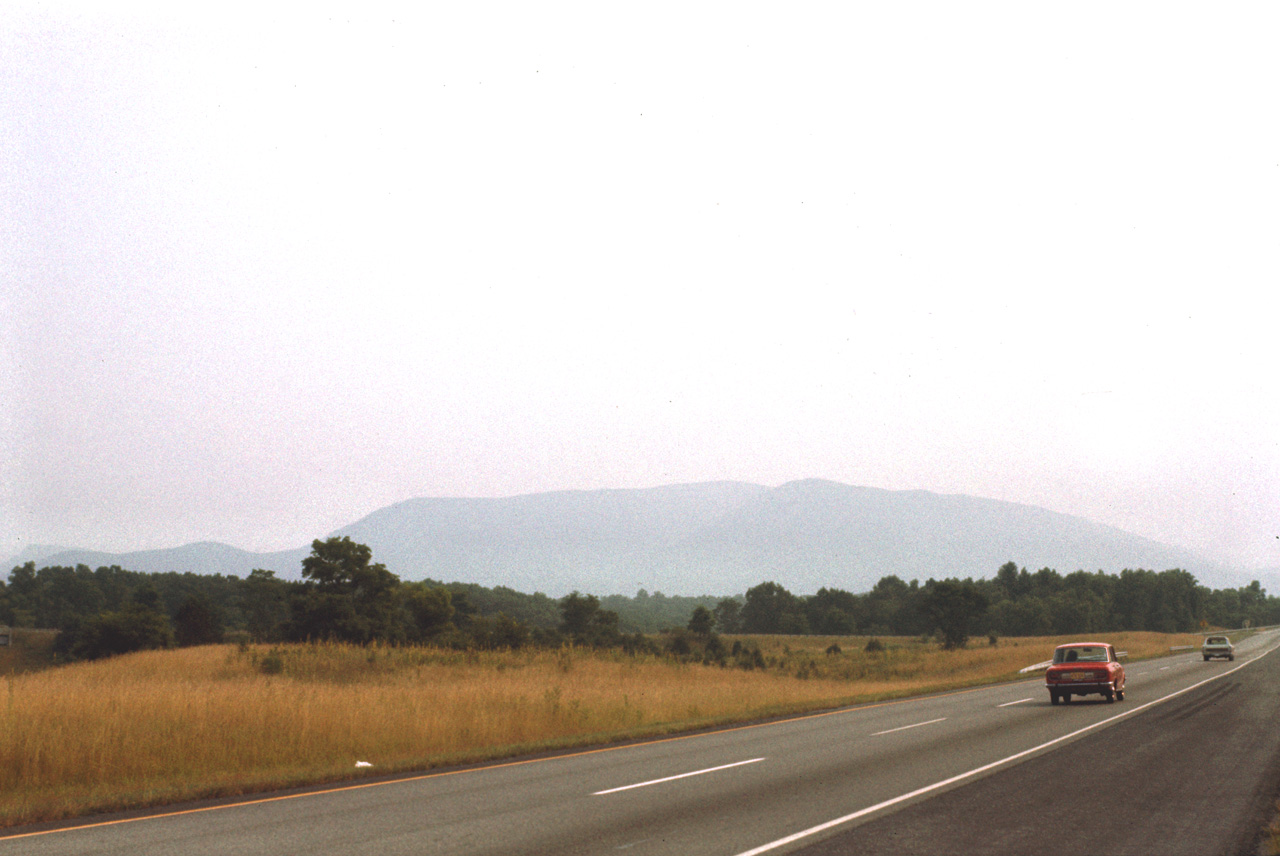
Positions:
(1053, 698)
(1119, 695)
(1111, 697)
(1066, 698)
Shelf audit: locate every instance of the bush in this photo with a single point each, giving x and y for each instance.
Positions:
(134, 628)
(874, 646)
(638, 643)
(272, 664)
(497, 633)
(748, 657)
(678, 643)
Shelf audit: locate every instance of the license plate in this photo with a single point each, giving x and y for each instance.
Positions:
(1081, 676)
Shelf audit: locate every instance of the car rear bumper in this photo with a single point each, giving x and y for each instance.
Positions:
(1080, 687)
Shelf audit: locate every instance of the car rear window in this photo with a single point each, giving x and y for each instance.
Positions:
(1081, 654)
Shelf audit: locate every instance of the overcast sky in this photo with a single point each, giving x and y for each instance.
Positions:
(267, 271)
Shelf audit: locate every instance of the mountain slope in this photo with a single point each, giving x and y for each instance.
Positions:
(722, 538)
(715, 538)
(204, 557)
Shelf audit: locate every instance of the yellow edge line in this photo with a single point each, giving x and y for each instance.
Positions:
(499, 766)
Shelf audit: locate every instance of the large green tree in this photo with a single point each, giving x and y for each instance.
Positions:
(346, 596)
(702, 622)
(430, 610)
(952, 607)
(833, 612)
(770, 608)
(728, 613)
(264, 602)
(585, 623)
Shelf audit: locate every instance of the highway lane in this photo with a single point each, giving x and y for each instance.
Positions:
(1195, 775)
(730, 792)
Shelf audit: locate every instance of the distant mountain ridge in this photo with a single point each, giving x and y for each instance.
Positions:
(716, 538)
(201, 557)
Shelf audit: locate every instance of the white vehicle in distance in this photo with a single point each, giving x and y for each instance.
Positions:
(1217, 646)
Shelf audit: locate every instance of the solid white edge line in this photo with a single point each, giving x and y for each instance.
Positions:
(822, 827)
(1019, 701)
(673, 778)
(905, 727)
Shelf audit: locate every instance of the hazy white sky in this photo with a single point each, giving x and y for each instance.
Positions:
(267, 269)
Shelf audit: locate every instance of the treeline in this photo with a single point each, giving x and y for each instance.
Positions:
(1013, 603)
(344, 595)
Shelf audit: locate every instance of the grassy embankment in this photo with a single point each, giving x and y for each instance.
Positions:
(162, 726)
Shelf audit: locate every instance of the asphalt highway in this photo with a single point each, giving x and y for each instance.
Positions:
(1188, 763)
(1197, 774)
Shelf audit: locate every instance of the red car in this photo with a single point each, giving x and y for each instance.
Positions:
(1085, 668)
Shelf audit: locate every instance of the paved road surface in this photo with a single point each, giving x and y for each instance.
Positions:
(1196, 775)
(992, 770)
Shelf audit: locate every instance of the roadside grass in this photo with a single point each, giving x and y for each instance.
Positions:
(157, 727)
(911, 665)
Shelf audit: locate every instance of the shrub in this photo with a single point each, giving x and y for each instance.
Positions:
(638, 643)
(678, 643)
(272, 664)
(748, 657)
(134, 628)
(874, 646)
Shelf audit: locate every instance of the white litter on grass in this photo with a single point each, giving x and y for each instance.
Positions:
(363, 764)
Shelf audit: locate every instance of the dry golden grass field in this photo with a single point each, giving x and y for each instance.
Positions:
(162, 726)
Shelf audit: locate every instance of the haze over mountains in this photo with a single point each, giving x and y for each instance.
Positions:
(717, 538)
